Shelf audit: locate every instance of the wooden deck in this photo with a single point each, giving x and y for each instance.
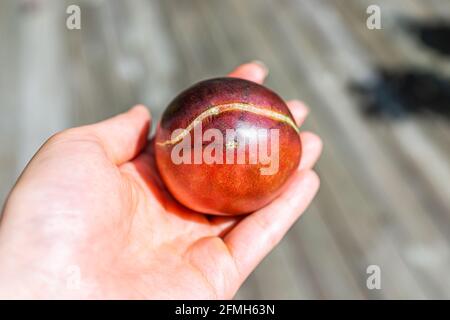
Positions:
(385, 193)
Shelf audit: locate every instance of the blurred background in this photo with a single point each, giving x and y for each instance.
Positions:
(380, 99)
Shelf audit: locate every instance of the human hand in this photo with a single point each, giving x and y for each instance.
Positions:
(90, 218)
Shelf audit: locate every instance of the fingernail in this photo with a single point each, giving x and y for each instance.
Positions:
(262, 65)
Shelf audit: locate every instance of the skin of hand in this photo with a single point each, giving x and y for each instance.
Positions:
(89, 218)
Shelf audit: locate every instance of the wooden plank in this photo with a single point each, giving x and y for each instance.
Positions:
(149, 59)
(440, 8)
(325, 259)
(354, 58)
(43, 93)
(349, 121)
(9, 115)
(122, 56)
(99, 90)
(427, 159)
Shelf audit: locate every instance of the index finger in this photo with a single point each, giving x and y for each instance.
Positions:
(255, 71)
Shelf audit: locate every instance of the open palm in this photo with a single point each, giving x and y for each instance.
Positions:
(90, 218)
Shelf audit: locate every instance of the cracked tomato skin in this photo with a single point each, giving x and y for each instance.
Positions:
(227, 188)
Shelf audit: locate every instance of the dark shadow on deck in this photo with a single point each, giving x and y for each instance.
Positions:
(434, 35)
(396, 94)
